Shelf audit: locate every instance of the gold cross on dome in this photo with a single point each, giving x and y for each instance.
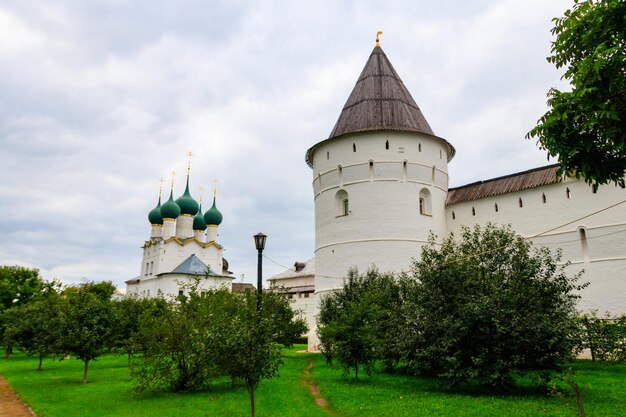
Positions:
(173, 175)
(201, 192)
(378, 37)
(161, 186)
(214, 187)
(189, 155)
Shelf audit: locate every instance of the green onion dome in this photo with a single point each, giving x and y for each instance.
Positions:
(198, 221)
(170, 209)
(213, 215)
(186, 203)
(154, 217)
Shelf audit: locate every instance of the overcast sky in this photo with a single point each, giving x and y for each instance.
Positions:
(99, 99)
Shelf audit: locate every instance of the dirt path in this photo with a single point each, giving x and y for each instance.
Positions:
(315, 390)
(10, 404)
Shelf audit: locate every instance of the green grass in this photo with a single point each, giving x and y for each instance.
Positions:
(57, 391)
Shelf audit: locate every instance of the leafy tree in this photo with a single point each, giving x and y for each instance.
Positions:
(357, 323)
(18, 285)
(245, 345)
(172, 336)
(87, 321)
(488, 306)
(586, 127)
(34, 326)
(188, 341)
(127, 312)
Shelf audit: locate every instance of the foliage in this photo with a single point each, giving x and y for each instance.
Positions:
(605, 336)
(186, 343)
(357, 323)
(172, 336)
(245, 342)
(487, 306)
(586, 127)
(127, 312)
(18, 285)
(34, 326)
(87, 321)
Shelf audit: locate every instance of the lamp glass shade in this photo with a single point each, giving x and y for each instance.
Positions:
(259, 241)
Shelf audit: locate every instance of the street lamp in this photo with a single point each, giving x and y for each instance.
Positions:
(259, 242)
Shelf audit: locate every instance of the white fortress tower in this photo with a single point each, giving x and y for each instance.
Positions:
(380, 180)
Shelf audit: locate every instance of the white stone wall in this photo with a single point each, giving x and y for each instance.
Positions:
(557, 223)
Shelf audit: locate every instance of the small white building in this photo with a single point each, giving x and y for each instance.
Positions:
(182, 247)
(299, 286)
(380, 187)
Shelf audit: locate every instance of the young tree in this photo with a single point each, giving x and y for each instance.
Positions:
(487, 306)
(357, 323)
(127, 312)
(34, 326)
(586, 127)
(87, 321)
(18, 285)
(245, 346)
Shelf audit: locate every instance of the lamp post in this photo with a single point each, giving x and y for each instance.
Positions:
(259, 242)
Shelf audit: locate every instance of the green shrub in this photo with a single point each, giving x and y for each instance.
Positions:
(605, 336)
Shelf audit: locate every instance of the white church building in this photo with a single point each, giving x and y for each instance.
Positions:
(182, 247)
(380, 186)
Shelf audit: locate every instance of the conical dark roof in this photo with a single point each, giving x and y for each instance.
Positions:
(380, 101)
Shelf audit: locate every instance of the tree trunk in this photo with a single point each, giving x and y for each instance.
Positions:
(356, 372)
(251, 392)
(8, 349)
(129, 356)
(85, 373)
(40, 361)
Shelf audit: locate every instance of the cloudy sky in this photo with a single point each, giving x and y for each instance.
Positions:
(100, 99)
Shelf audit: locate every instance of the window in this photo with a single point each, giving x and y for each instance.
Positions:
(568, 193)
(371, 170)
(327, 154)
(453, 216)
(147, 266)
(585, 245)
(440, 154)
(387, 145)
(495, 206)
(419, 147)
(594, 188)
(151, 267)
(473, 211)
(340, 170)
(342, 205)
(181, 292)
(543, 198)
(353, 147)
(433, 174)
(404, 170)
(521, 204)
(306, 295)
(425, 202)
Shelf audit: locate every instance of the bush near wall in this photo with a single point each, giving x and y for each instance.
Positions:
(605, 336)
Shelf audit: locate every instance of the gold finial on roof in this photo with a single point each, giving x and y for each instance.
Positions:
(161, 186)
(189, 155)
(378, 37)
(201, 192)
(173, 175)
(214, 187)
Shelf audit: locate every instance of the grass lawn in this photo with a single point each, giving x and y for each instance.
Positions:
(57, 391)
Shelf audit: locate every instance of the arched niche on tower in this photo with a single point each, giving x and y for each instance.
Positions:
(342, 203)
